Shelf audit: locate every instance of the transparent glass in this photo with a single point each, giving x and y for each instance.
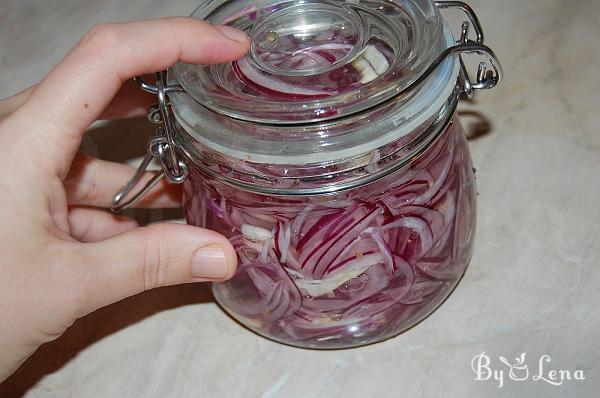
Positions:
(350, 268)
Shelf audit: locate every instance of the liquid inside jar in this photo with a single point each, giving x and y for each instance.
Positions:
(351, 268)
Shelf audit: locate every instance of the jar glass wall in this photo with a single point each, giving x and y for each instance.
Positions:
(332, 158)
(349, 268)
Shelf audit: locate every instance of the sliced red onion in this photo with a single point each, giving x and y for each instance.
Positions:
(326, 47)
(384, 249)
(328, 253)
(370, 64)
(273, 85)
(329, 271)
(352, 269)
(421, 290)
(419, 227)
(250, 11)
(285, 242)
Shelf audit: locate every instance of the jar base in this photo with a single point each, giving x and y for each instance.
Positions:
(330, 343)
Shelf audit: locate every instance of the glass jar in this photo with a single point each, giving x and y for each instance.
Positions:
(332, 158)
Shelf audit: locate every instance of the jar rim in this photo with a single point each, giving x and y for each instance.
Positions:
(341, 176)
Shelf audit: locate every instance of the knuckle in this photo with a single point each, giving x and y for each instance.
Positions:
(83, 184)
(88, 228)
(156, 259)
(91, 192)
(102, 37)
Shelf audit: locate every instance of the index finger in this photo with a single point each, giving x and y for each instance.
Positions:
(78, 89)
(10, 104)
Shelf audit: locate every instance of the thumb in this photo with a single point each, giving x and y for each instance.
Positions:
(148, 257)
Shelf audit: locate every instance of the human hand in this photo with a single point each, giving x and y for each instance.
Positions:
(62, 255)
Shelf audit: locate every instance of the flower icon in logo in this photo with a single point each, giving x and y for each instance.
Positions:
(518, 370)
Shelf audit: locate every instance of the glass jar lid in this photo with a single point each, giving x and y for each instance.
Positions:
(315, 60)
(391, 68)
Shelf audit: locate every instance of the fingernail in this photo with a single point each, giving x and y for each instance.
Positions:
(232, 33)
(209, 262)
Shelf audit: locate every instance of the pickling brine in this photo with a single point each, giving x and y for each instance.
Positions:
(341, 270)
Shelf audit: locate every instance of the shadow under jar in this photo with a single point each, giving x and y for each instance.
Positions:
(332, 158)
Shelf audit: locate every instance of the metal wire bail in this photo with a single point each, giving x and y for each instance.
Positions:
(485, 78)
(161, 146)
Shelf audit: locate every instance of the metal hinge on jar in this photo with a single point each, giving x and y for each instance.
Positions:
(174, 168)
(486, 78)
(162, 146)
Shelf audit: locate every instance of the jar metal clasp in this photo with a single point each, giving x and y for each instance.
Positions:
(486, 79)
(162, 146)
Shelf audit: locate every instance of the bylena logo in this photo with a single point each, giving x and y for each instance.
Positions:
(520, 371)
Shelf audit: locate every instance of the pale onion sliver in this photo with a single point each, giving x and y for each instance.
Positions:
(256, 234)
(354, 268)
(259, 78)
